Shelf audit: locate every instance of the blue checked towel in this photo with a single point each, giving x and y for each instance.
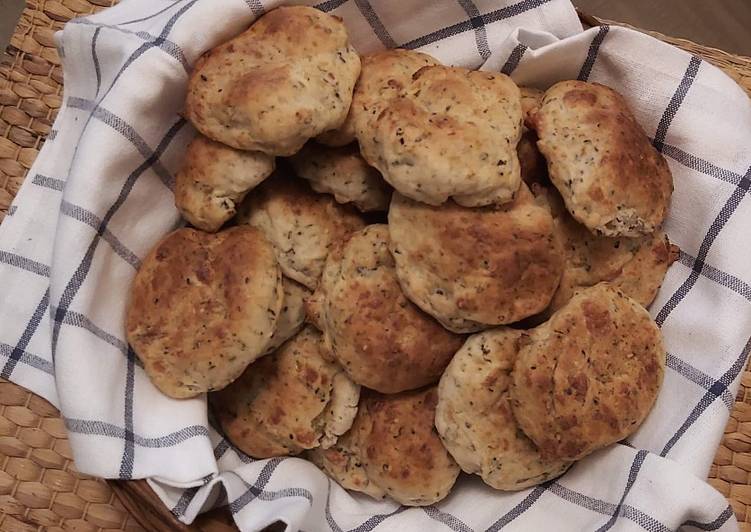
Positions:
(98, 197)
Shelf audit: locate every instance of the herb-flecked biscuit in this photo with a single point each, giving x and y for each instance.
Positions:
(287, 402)
(214, 179)
(286, 79)
(381, 339)
(384, 74)
(202, 307)
(292, 314)
(610, 176)
(474, 268)
(452, 133)
(474, 417)
(300, 224)
(344, 173)
(588, 376)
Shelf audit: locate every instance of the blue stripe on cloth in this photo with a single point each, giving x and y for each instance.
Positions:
(330, 5)
(632, 474)
(129, 450)
(519, 509)
(489, 18)
(22, 263)
(366, 526)
(20, 348)
(92, 220)
(29, 359)
(675, 102)
(720, 277)
(481, 34)
(12, 210)
(101, 428)
(713, 393)
(594, 49)
(153, 15)
(252, 491)
(256, 7)
(513, 59)
(48, 182)
(723, 518)
(449, 520)
(645, 521)
(697, 377)
(700, 165)
(379, 29)
(52, 135)
(95, 58)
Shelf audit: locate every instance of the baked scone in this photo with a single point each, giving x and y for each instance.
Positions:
(383, 75)
(452, 133)
(531, 162)
(202, 307)
(300, 224)
(381, 339)
(393, 449)
(589, 376)
(635, 266)
(292, 314)
(610, 176)
(474, 418)
(288, 401)
(214, 179)
(286, 79)
(344, 173)
(474, 268)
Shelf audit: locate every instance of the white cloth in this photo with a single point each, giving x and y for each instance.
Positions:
(98, 197)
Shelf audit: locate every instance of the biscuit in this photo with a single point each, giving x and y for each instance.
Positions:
(292, 314)
(531, 162)
(610, 176)
(343, 173)
(635, 266)
(202, 307)
(381, 339)
(474, 419)
(474, 268)
(214, 179)
(588, 376)
(452, 133)
(286, 79)
(382, 77)
(288, 401)
(300, 224)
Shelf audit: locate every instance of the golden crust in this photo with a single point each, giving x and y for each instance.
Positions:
(286, 79)
(473, 268)
(474, 418)
(301, 225)
(382, 340)
(282, 404)
(531, 162)
(589, 376)
(343, 173)
(291, 315)
(214, 178)
(452, 133)
(382, 77)
(610, 176)
(203, 306)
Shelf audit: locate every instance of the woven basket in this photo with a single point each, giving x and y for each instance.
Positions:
(40, 488)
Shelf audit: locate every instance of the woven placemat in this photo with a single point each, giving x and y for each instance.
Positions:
(40, 488)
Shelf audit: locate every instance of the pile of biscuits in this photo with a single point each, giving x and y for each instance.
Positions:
(402, 270)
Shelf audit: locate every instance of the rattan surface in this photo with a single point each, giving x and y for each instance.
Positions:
(40, 488)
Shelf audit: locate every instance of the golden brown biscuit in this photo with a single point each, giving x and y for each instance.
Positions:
(533, 165)
(610, 176)
(452, 133)
(531, 100)
(300, 224)
(588, 376)
(384, 74)
(474, 418)
(473, 268)
(343, 173)
(635, 266)
(286, 79)
(381, 339)
(214, 179)
(292, 314)
(288, 401)
(202, 307)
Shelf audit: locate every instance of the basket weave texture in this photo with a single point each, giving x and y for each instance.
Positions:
(40, 488)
